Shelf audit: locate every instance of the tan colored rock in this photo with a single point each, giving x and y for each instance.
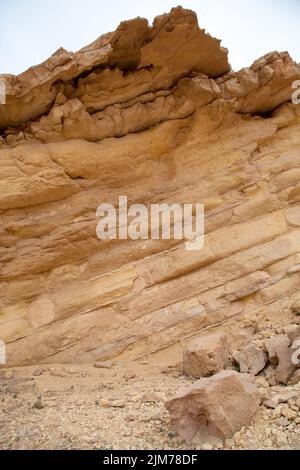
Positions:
(280, 352)
(154, 113)
(152, 397)
(273, 346)
(133, 46)
(207, 356)
(251, 359)
(215, 407)
(276, 396)
(253, 86)
(103, 365)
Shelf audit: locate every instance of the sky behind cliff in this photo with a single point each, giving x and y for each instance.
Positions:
(31, 30)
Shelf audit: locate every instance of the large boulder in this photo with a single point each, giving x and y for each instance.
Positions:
(207, 355)
(215, 407)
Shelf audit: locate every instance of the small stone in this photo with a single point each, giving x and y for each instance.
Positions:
(60, 99)
(283, 422)
(262, 382)
(111, 404)
(38, 372)
(229, 443)
(268, 443)
(277, 412)
(129, 376)
(129, 418)
(207, 447)
(104, 403)
(103, 364)
(288, 413)
(10, 139)
(281, 439)
(291, 402)
(152, 397)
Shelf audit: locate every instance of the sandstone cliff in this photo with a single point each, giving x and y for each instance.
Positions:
(155, 113)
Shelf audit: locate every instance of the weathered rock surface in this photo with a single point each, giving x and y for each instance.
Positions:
(275, 346)
(207, 356)
(95, 77)
(251, 359)
(154, 113)
(280, 352)
(215, 407)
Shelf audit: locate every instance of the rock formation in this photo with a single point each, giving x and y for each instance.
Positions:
(157, 114)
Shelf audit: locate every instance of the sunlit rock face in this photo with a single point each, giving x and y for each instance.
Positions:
(157, 114)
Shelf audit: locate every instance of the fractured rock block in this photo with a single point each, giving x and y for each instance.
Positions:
(251, 359)
(274, 344)
(215, 407)
(281, 353)
(207, 355)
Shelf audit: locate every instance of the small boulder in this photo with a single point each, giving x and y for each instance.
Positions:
(286, 368)
(251, 359)
(215, 407)
(281, 352)
(274, 344)
(207, 355)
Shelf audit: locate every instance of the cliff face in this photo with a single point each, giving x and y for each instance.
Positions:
(157, 114)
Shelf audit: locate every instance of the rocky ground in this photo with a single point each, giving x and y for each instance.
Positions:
(81, 407)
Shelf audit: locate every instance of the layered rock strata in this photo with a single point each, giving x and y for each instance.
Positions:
(157, 114)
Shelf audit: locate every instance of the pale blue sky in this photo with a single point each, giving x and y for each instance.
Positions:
(31, 30)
